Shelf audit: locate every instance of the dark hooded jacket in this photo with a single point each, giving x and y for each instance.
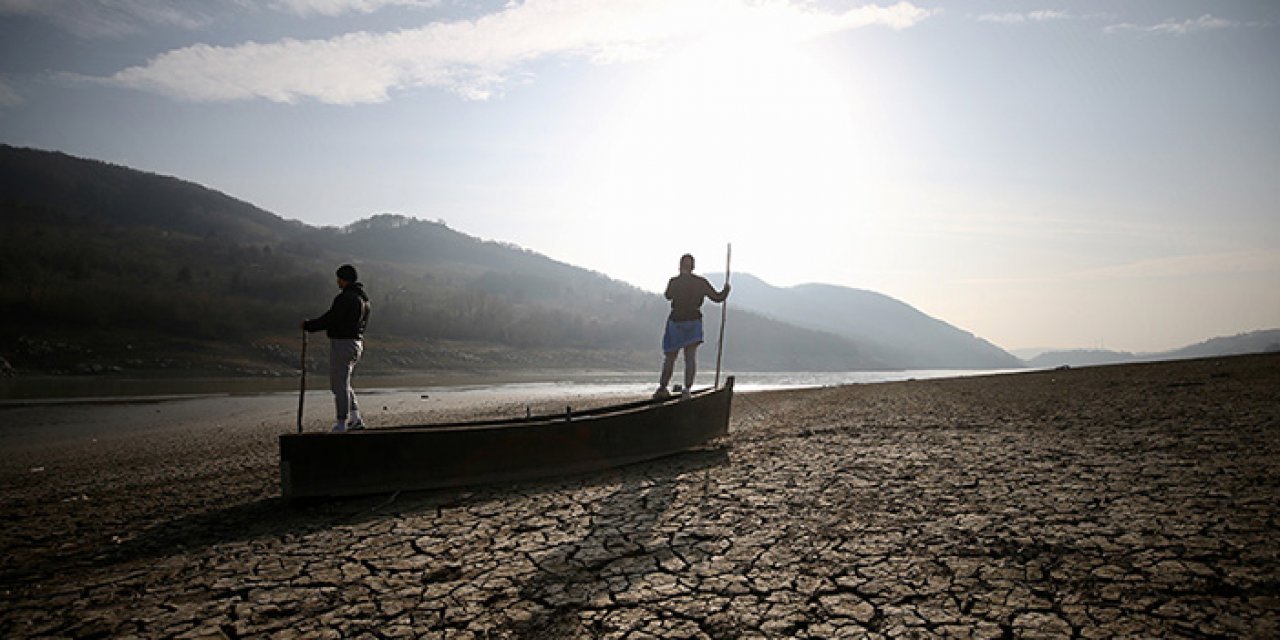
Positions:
(347, 317)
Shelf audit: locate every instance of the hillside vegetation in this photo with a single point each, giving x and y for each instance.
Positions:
(115, 268)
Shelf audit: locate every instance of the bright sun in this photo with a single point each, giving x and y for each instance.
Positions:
(732, 130)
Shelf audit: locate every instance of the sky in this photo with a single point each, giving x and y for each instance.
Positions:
(1056, 173)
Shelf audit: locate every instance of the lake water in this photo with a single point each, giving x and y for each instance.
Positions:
(533, 386)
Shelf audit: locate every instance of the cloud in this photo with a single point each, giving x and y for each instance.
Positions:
(339, 7)
(120, 18)
(1021, 18)
(108, 18)
(8, 97)
(1205, 22)
(474, 58)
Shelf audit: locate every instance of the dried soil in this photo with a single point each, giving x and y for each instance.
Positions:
(1136, 500)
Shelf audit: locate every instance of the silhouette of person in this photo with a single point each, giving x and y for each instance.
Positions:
(344, 323)
(684, 324)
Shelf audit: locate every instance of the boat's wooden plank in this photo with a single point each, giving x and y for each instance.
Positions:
(552, 417)
(321, 464)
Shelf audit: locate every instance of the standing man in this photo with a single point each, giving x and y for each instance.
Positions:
(684, 324)
(344, 323)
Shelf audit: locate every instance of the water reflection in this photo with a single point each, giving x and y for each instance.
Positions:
(533, 386)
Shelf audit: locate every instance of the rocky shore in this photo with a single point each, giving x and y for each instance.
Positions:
(1134, 501)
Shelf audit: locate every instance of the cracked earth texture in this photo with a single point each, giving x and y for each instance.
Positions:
(1125, 501)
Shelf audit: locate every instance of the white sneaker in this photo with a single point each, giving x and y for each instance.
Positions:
(355, 425)
(339, 427)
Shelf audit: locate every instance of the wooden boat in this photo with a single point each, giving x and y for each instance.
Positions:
(379, 460)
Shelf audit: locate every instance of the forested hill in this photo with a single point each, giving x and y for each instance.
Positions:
(87, 191)
(885, 328)
(111, 268)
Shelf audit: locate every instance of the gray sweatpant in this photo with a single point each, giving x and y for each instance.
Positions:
(344, 353)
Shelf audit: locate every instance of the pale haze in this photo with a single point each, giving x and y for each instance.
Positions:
(1070, 174)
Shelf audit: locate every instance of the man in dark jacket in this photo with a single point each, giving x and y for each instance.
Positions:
(344, 323)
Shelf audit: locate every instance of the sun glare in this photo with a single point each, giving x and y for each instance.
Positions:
(739, 130)
(732, 122)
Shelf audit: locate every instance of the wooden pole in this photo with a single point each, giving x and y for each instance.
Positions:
(724, 314)
(302, 393)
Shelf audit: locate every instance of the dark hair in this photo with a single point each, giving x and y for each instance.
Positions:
(689, 257)
(348, 273)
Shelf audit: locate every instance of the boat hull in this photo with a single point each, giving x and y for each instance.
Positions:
(448, 455)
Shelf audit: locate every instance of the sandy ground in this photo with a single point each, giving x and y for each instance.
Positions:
(1136, 501)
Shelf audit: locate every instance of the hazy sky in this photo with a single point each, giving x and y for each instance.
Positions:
(1064, 174)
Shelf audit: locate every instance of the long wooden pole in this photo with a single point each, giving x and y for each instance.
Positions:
(724, 314)
(302, 393)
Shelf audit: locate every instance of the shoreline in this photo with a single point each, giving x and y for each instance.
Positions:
(70, 390)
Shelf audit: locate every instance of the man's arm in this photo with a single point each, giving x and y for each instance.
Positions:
(318, 324)
(323, 322)
(712, 294)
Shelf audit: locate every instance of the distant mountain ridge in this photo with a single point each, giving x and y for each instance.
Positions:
(110, 265)
(119, 266)
(1263, 341)
(99, 253)
(884, 329)
(89, 189)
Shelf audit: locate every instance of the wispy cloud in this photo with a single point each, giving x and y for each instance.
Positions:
(474, 58)
(120, 18)
(339, 7)
(109, 18)
(1206, 22)
(8, 97)
(1045, 15)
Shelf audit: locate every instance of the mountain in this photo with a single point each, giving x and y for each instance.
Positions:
(75, 189)
(1028, 353)
(1264, 341)
(1080, 358)
(111, 268)
(883, 328)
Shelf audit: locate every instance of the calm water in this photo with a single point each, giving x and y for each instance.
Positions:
(527, 385)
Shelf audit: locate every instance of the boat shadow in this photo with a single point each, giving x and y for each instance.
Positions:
(649, 522)
(280, 518)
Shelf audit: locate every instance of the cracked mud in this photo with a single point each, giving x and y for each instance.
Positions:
(1136, 501)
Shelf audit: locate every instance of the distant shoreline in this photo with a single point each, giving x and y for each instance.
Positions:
(66, 390)
(34, 391)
